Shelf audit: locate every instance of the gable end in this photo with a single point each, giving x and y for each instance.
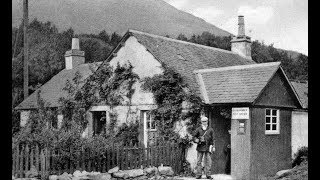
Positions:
(278, 93)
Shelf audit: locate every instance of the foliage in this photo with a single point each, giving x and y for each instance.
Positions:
(96, 50)
(47, 47)
(300, 156)
(68, 141)
(186, 169)
(128, 133)
(170, 91)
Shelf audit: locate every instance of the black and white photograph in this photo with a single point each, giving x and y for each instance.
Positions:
(159, 89)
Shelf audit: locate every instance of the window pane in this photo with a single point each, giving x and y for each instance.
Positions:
(267, 119)
(148, 125)
(267, 111)
(267, 126)
(153, 125)
(274, 127)
(274, 112)
(148, 115)
(274, 119)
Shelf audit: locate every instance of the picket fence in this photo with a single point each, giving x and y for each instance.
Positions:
(46, 161)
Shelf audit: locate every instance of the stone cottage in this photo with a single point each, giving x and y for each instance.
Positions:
(260, 137)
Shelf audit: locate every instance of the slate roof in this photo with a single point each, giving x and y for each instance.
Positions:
(302, 90)
(185, 57)
(52, 90)
(235, 84)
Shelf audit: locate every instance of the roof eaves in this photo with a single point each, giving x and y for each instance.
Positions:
(294, 91)
(116, 48)
(203, 90)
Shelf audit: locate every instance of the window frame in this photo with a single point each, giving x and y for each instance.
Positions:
(150, 122)
(277, 123)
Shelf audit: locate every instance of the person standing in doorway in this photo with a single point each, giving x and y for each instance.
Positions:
(204, 137)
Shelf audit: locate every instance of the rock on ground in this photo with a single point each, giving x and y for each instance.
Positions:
(32, 172)
(134, 173)
(282, 173)
(113, 170)
(53, 177)
(150, 170)
(165, 170)
(103, 176)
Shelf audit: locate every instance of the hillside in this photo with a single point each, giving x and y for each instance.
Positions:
(93, 16)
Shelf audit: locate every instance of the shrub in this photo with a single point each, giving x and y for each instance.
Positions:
(300, 156)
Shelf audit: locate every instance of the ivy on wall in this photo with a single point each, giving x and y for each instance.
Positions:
(170, 92)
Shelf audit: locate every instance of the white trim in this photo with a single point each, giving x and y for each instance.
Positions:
(277, 131)
(100, 108)
(237, 67)
(145, 132)
(202, 88)
(292, 88)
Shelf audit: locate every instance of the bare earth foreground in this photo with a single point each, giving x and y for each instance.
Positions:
(297, 173)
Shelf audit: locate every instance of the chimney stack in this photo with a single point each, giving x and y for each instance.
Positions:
(74, 57)
(241, 44)
(241, 31)
(75, 43)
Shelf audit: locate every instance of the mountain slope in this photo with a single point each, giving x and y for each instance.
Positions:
(92, 16)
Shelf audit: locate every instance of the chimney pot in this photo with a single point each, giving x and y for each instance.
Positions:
(75, 43)
(75, 56)
(241, 30)
(241, 44)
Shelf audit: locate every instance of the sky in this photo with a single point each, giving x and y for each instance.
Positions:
(281, 22)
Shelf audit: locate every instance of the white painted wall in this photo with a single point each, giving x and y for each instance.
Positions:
(144, 65)
(299, 130)
(24, 116)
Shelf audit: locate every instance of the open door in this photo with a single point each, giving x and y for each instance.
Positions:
(221, 158)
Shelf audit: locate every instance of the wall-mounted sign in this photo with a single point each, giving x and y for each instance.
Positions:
(240, 113)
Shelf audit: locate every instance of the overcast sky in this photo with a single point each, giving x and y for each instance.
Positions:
(282, 22)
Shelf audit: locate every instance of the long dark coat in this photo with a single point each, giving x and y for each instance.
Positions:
(208, 138)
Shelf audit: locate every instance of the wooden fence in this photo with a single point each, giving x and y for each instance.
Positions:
(48, 162)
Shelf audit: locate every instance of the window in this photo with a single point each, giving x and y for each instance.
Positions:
(99, 122)
(272, 121)
(151, 124)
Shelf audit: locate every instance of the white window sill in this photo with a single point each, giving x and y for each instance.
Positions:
(271, 132)
(151, 130)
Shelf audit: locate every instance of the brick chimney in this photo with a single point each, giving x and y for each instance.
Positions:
(74, 57)
(241, 44)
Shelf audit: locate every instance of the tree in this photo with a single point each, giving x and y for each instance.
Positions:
(104, 36)
(115, 39)
(95, 49)
(182, 37)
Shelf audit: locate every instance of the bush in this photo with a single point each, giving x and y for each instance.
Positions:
(300, 156)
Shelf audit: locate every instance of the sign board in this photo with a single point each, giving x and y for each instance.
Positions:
(240, 113)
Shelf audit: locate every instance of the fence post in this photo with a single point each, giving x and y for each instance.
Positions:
(118, 155)
(42, 163)
(21, 162)
(37, 157)
(14, 161)
(31, 157)
(27, 159)
(82, 155)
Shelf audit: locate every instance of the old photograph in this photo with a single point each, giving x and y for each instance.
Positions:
(159, 89)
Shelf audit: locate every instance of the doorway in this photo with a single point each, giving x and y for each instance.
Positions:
(221, 158)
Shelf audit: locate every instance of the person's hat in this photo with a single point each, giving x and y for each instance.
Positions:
(203, 118)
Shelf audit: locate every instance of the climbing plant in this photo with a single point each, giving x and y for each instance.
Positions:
(175, 102)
